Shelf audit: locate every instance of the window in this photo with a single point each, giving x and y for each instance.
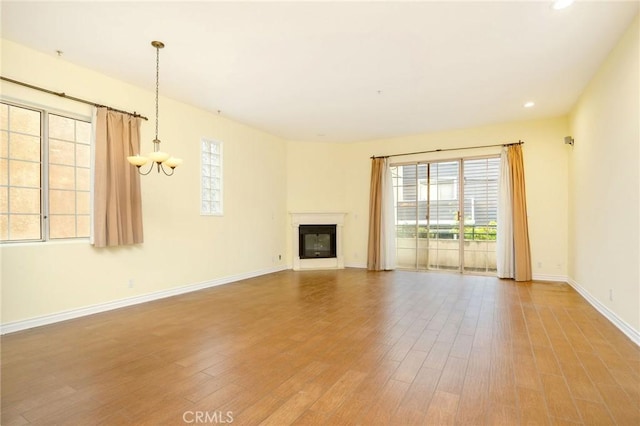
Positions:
(45, 173)
(211, 177)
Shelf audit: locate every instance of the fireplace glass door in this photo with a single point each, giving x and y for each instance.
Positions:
(317, 241)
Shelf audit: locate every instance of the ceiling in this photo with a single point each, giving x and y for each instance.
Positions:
(339, 71)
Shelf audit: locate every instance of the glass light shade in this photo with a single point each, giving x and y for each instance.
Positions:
(137, 160)
(173, 162)
(159, 156)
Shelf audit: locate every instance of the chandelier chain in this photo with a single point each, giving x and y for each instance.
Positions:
(157, 85)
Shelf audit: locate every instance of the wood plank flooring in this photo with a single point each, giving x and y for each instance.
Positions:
(342, 347)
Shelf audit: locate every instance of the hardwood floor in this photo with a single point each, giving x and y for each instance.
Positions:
(331, 348)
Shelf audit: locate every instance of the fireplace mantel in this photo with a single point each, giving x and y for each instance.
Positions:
(317, 218)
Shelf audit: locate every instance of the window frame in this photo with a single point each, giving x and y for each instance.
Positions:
(44, 188)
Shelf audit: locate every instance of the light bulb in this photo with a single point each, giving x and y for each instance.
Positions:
(561, 4)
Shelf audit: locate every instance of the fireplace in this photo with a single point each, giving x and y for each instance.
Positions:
(317, 241)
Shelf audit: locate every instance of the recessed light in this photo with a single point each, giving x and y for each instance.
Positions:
(529, 104)
(561, 4)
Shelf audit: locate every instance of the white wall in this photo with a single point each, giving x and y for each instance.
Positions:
(604, 253)
(346, 188)
(181, 247)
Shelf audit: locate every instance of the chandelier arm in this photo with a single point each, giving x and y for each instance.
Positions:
(147, 172)
(165, 172)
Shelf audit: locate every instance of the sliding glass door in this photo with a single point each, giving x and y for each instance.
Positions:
(405, 189)
(442, 216)
(446, 214)
(480, 190)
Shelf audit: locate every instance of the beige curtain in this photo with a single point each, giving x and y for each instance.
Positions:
(117, 206)
(504, 243)
(521, 250)
(374, 251)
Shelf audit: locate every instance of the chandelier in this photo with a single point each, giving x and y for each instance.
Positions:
(160, 158)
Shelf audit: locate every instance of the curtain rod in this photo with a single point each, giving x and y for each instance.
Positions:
(446, 149)
(73, 98)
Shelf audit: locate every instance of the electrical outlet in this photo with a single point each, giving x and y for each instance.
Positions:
(130, 282)
(611, 294)
(279, 257)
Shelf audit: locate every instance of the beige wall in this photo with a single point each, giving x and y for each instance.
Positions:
(181, 247)
(604, 183)
(347, 186)
(316, 173)
(317, 176)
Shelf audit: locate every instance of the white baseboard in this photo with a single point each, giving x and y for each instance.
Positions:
(547, 277)
(14, 326)
(356, 265)
(622, 325)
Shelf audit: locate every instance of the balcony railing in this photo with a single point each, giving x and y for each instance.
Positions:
(448, 232)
